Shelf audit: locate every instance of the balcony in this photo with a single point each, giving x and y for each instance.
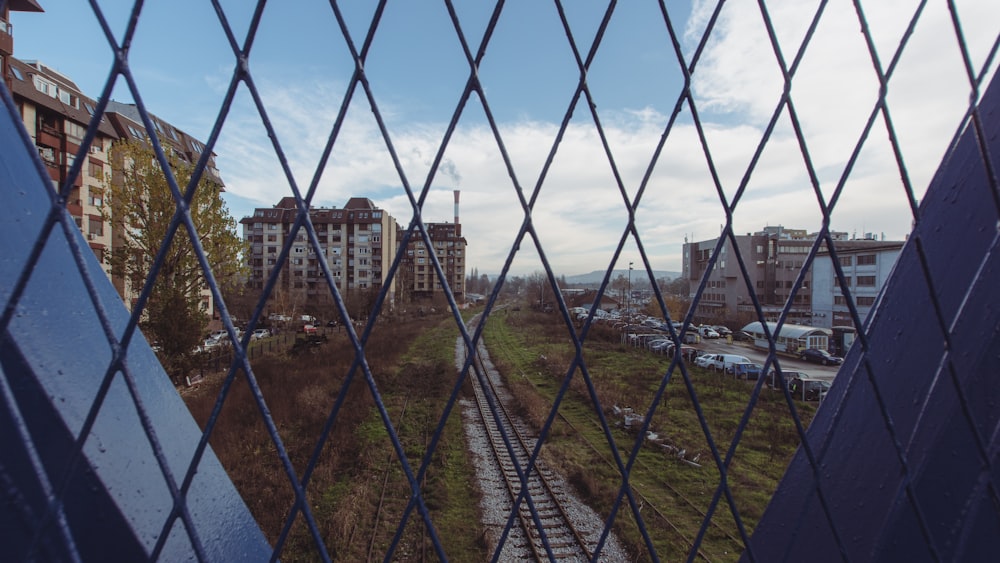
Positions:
(6, 38)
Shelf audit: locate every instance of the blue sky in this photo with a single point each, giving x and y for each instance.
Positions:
(299, 62)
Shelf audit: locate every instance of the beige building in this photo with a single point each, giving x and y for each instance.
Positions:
(357, 243)
(418, 278)
(127, 123)
(55, 114)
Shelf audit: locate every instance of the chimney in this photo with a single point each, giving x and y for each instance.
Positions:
(458, 226)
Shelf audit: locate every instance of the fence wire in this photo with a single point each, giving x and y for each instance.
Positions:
(52, 536)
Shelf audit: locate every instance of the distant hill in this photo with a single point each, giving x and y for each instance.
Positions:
(596, 276)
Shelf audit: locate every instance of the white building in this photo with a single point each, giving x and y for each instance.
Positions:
(866, 268)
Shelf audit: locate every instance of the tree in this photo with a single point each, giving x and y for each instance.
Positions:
(140, 209)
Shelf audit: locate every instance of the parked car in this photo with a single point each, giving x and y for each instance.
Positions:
(772, 377)
(660, 345)
(688, 353)
(809, 389)
(747, 371)
(708, 332)
(208, 345)
(309, 329)
(819, 356)
(721, 362)
(260, 333)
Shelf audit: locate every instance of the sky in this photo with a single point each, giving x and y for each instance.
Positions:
(301, 67)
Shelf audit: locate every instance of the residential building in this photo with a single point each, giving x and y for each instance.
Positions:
(7, 32)
(418, 278)
(126, 121)
(357, 243)
(773, 258)
(56, 115)
(866, 265)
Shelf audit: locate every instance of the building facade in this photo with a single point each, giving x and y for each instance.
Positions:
(7, 32)
(56, 114)
(356, 242)
(126, 121)
(418, 278)
(773, 258)
(866, 268)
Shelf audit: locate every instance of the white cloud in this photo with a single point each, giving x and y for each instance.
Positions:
(580, 215)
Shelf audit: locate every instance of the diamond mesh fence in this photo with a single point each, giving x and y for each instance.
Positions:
(677, 460)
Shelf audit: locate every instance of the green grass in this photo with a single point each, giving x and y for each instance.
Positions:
(534, 354)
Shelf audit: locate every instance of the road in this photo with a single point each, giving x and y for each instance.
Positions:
(719, 346)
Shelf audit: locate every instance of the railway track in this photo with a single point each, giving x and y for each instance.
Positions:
(660, 518)
(546, 526)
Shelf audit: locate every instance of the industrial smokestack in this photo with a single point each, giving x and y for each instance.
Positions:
(458, 226)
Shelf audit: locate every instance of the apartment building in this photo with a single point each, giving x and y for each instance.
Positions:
(773, 258)
(56, 114)
(7, 32)
(418, 278)
(126, 121)
(357, 242)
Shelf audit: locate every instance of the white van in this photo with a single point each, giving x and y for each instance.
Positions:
(721, 362)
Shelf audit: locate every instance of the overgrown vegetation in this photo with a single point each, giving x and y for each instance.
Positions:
(534, 352)
(358, 470)
(359, 474)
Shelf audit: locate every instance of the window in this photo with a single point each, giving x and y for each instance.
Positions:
(95, 198)
(96, 227)
(17, 74)
(866, 260)
(866, 301)
(48, 154)
(45, 87)
(272, 227)
(95, 169)
(75, 130)
(272, 238)
(846, 260)
(866, 281)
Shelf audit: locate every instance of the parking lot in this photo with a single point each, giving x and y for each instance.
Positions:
(719, 346)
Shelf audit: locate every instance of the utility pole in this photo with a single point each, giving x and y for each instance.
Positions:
(628, 298)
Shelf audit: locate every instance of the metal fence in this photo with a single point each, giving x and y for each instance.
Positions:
(896, 465)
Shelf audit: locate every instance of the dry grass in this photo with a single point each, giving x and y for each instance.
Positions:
(409, 362)
(534, 355)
